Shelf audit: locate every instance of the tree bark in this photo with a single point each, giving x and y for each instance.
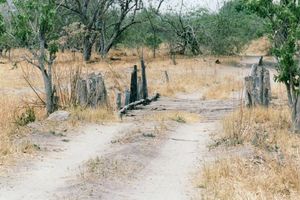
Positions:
(296, 115)
(88, 42)
(47, 75)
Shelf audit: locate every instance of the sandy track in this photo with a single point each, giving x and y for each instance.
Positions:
(42, 179)
(169, 175)
(163, 166)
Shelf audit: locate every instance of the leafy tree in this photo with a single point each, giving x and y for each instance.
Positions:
(227, 31)
(283, 25)
(33, 27)
(153, 41)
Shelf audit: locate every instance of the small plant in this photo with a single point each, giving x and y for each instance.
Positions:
(178, 118)
(26, 117)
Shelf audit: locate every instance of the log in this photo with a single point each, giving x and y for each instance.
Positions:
(132, 105)
(144, 80)
(134, 86)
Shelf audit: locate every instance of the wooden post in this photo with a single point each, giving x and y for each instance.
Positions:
(144, 80)
(140, 88)
(119, 100)
(133, 85)
(127, 97)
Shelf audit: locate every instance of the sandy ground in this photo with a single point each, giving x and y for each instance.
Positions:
(135, 160)
(162, 167)
(40, 179)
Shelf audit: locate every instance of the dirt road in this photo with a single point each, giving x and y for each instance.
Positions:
(136, 159)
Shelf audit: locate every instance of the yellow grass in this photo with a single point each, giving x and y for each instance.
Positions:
(6, 126)
(178, 116)
(272, 172)
(96, 115)
(240, 178)
(223, 88)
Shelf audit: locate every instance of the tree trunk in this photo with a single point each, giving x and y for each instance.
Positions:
(47, 75)
(49, 94)
(289, 94)
(296, 115)
(88, 42)
(87, 49)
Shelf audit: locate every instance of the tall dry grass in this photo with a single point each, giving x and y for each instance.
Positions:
(271, 172)
(195, 75)
(6, 126)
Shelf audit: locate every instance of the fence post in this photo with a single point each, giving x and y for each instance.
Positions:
(133, 85)
(144, 80)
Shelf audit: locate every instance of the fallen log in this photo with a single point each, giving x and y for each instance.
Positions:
(132, 105)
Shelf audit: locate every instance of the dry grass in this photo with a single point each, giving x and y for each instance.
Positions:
(6, 126)
(110, 168)
(271, 173)
(188, 76)
(97, 115)
(194, 75)
(223, 89)
(258, 126)
(177, 116)
(10, 131)
(260, 46)
(256, 178)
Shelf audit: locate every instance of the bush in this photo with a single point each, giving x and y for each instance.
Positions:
(26, 117)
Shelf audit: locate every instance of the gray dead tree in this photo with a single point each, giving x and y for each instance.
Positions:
(258, 86)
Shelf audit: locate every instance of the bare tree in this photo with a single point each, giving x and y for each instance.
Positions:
(183, 30)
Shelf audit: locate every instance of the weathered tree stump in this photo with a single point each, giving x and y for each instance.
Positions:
(140, 88)
(91, 91)
(81, 92)
(127, 97)
(144, 80)
(258, 86)
(134, 86)
(119, 100)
